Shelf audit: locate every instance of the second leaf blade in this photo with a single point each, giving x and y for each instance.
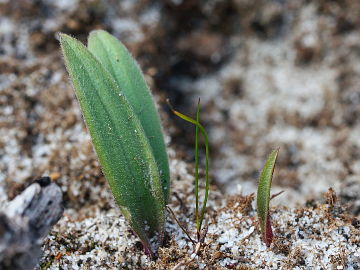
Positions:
(118, 61)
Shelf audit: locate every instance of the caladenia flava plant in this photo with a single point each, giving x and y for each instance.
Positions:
(264, 197)
(125, 128)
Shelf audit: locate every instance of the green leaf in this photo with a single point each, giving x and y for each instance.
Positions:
(117, 60)
(199, 218)
(263, 196)
(119, 139)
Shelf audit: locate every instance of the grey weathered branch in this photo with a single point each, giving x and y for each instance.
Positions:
(25, 221)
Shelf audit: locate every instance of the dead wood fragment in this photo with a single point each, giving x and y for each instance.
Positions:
(25, 221)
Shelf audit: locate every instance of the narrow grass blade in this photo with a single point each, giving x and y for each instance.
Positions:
(198, 226)
(120, 142)
(263, 197)
(117, 60)
(206, 142)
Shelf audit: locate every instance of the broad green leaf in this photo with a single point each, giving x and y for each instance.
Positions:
(263, 196)
(117, 60)
(120, 142)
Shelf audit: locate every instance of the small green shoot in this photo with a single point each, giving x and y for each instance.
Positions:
(199, 217)
(263, 197)
(125, 130)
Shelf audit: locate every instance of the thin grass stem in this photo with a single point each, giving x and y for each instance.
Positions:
(198, 226)
(180, 225)
(206, 142)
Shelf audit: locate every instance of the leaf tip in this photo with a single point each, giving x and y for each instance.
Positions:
(170, 106)
(63, 37)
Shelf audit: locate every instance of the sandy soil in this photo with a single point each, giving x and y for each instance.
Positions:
(269, 73)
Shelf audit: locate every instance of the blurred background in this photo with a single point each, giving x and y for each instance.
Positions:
(269, 74)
